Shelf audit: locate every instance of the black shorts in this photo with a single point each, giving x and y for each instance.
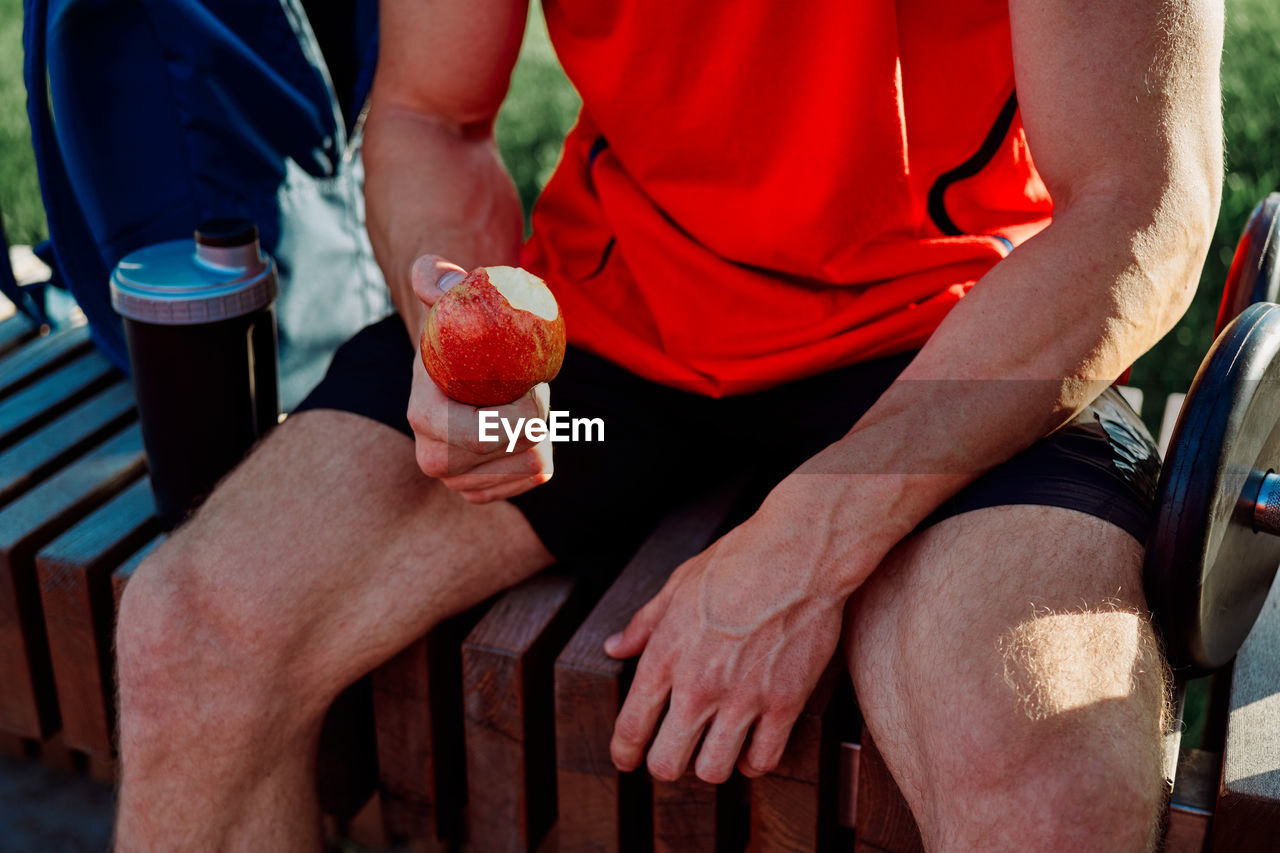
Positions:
(663, 445)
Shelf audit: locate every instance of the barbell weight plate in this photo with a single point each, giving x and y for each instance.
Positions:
(1207, 571)
(1255, 268)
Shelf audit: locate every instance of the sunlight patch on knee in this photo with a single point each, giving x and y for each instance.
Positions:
(1059, 662)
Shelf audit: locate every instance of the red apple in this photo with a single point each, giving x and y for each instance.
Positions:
(493, 336)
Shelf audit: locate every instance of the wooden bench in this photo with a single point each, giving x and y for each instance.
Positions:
(493, 729)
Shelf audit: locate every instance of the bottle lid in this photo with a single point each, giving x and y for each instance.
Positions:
(223, 273)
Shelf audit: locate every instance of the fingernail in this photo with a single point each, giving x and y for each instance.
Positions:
(612, 643)
(449, 279)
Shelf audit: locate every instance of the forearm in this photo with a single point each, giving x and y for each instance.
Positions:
(1122, 105)
(433, 186)
(1032, 344)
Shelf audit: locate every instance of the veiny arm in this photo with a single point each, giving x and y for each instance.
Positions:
(440, 201)
(1121, 102)
(434, 180)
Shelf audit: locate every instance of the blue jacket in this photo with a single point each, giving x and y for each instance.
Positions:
(158, 114)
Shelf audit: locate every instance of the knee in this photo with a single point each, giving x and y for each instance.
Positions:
(191, 648)
(1069, 744)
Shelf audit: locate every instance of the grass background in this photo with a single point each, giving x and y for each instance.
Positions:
(19, 191)
(1251, 119)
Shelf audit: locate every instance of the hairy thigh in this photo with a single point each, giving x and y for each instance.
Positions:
(1009, 644)
(329, 550)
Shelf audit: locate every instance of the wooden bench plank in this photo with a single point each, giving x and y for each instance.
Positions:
(37, 456)
(75, 591)
(27, 702)
(40, 356)
(1248, 813)
(847, 793)
(417, 702)
(14, 332)
(41, 401)
(12, 746)
(689, 814)
(610, 810)
(507, 662)
(795, 807)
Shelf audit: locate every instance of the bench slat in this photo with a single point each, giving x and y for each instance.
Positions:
(689, 814)
(507, 662)
(41, 355)
(794, 808)
(608, 810)
(417, 701)
(14, 332)
(27, 702)
(25, 410)
(1248, 813)
(38, 455)
(75, 591)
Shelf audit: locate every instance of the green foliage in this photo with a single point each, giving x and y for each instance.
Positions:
(1251, 118)
(537, 113)
(19, 190)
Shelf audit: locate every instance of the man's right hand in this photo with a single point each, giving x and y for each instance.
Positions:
(447, 433)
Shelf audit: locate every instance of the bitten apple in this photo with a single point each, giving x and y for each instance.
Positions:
(493, 336)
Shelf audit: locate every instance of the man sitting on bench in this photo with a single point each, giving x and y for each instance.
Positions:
(802, 239)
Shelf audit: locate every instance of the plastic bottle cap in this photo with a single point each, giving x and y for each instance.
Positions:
(222, 273)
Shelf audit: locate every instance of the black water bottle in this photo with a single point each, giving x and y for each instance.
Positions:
(200, 325)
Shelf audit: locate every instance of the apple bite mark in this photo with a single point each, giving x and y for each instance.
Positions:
(524, 291)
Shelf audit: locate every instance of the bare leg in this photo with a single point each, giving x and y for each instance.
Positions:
(325, 553)
(1008, 671)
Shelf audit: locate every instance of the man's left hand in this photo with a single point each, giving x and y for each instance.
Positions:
(736, 641)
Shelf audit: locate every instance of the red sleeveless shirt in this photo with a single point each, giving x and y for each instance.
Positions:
(757, 191)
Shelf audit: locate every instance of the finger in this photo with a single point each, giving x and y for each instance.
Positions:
(640, 713)
(678, 736)
(509, 422)
(432, 275)
(435, 457)
(507, 468)
(768, 742)
(631, 640)
(501, 430)
(505, 491)
(440, 461)
(436, 418)
(721, 746)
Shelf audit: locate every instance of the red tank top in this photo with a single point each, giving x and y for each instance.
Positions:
(757, 191)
